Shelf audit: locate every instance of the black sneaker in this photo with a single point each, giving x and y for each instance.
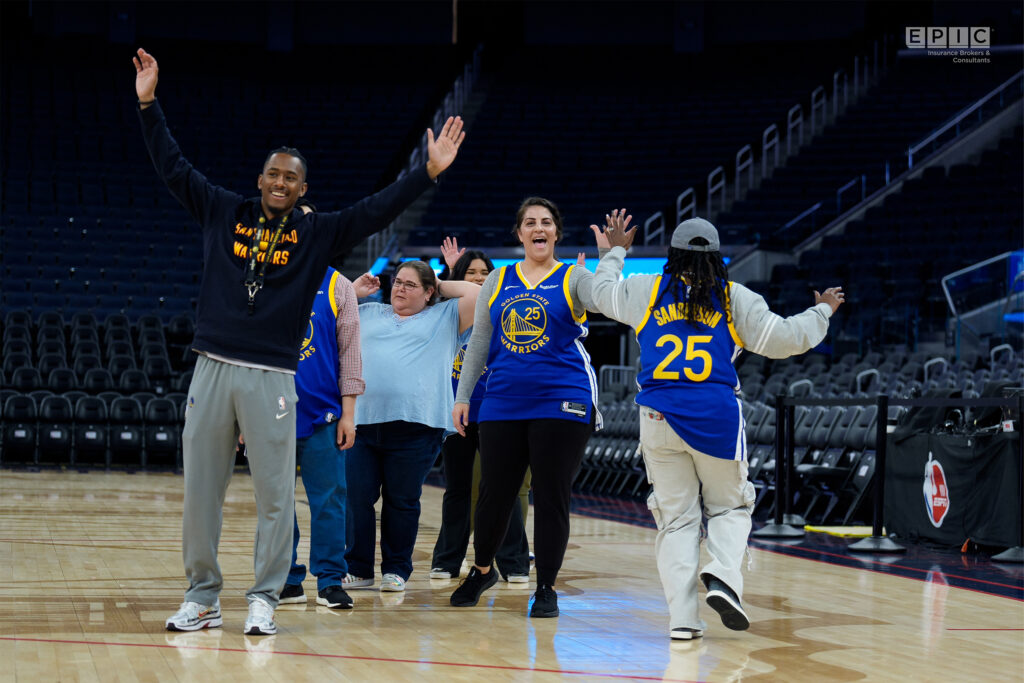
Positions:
(723, 600)
(545, 602)
(473, 586)
(292, 594)
(334, 597)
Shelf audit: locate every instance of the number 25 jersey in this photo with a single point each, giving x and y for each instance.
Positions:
(539, 367)
(687, 373)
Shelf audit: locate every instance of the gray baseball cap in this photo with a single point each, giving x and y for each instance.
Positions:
(692, 228)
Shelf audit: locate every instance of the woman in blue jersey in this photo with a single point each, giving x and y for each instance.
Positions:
(539, 407)
(408, 348)
(691, 323)
(460, 457)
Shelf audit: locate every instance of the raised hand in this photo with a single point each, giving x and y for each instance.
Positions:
(581, 258)
(146, 71)
(366, 285)
(451, 252)
(833, 296)
(616, 231)
(441, 152)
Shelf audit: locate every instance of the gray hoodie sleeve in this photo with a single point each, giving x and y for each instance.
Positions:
(479, 342)
(765, 333)
(624, 300)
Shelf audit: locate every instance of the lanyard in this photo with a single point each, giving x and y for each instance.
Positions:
(255, 271)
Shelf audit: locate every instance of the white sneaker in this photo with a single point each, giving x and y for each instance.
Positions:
(352, 581)
(683, 633)
(392, 583)
(517, 578)
(438, 573)
(260, 621)
(192, 616)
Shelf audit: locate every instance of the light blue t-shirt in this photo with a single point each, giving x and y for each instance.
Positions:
(407, 364)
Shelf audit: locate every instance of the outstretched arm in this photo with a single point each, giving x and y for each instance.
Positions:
(466, 293)
(764, 332)
(201, 198)
(441, 152)
(146, 71)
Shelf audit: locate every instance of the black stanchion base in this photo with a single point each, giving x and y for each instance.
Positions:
(1015, 554)
(794, 520)
(773, 530)
(876, 544)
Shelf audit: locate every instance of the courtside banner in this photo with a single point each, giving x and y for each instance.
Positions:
(948, 488)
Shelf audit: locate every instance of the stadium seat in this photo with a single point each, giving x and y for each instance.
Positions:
(163, 435)
(55, 430)
(127, 431)
(26, 379)
(19, 430)
(90, 428)
(97, 380)
(61, 380)
(133, 380)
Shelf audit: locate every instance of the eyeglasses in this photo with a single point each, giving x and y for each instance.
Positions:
(405, 284)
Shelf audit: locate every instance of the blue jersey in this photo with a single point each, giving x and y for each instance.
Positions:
(478, 390)
(538, 366)
(316, 380)
(687, 373)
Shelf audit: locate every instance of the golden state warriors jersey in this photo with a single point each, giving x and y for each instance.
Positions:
(538, 366)
(687, 373)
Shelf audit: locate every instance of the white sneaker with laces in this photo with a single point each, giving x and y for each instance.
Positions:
(192, 616)
(353, 581)
(260, 621)
(392, 583)
(438, 573)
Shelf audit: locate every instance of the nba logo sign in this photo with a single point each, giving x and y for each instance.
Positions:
(936, 491)
(977, 37)
(280, 403)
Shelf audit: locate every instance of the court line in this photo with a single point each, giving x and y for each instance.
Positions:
(896, 574)
(886, 564)
(985, 629)
(352, 657)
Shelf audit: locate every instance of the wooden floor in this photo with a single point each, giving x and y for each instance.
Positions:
(90, 566)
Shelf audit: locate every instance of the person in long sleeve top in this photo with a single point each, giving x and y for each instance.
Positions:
(691, 323)
(540, 406)
(329, 378)
(262, 262)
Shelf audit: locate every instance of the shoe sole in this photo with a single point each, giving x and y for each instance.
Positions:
(292, 601)
(257, 631)
(440, 575)
(357, 584)
(209, 623)
(392, 589)
(732, 614)
(537, 614)
(517, 579)
(333, 605)
(686, 635)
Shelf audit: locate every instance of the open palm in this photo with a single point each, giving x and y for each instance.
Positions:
(146, 71)
(441, 152)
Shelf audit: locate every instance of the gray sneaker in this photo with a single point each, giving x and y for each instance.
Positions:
(352, 581)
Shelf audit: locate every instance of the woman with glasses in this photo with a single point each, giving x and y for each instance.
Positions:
(401, 418)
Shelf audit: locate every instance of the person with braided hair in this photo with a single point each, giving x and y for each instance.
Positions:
(691, 323)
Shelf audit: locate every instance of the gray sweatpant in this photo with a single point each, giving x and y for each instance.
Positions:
(222, 399)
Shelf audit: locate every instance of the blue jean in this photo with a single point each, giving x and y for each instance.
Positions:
(322, 467)
(390, 459)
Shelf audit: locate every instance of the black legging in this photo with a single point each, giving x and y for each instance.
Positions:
(553, 450)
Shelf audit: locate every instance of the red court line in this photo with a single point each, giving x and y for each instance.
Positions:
(879, 571)
(353, 657)
(897, 566)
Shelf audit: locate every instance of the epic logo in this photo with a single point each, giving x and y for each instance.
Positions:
(936, 492)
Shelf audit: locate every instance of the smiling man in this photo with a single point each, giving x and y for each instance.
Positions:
(262, 262)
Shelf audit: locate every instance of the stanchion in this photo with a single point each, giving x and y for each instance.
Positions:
(787, 516)
(777, 529)
(877, 542)
(1016, 554)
